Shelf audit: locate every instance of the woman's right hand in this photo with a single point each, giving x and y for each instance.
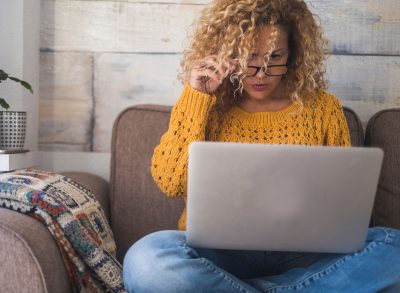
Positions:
(207, 75)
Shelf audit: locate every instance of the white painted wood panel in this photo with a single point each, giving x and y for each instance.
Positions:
(359, 27)
(153, 1)
(170, 1)
(365, 84)
(65, 75)
(64, 161)
(365, 78)
(65, 147)
(65, 122)
(115, 26)
(65, 104)
(123, 80)
(366, 27)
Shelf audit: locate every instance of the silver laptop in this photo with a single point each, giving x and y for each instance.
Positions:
(280, 197)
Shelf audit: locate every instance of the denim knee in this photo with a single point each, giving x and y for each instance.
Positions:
(143, 261)
(385, 235)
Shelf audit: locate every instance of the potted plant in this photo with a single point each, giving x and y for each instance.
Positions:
(12, 123)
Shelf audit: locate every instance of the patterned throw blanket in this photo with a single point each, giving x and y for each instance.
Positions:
(74, 218)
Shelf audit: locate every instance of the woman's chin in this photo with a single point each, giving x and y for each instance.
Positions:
(259, 96)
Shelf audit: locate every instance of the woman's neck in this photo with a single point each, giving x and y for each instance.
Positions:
(265, 105)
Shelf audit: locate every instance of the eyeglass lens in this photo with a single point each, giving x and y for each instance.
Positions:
(271, 70)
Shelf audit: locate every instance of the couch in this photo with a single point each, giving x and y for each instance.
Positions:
(30, 260)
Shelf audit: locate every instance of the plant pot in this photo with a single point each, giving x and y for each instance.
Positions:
(12, 130)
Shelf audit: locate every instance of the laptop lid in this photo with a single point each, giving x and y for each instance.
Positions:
(280, 197)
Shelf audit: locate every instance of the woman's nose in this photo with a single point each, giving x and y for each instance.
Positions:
(261, 74)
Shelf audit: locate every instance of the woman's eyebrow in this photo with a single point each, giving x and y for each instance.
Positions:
(275, 51)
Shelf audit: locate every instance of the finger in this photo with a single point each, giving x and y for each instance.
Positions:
(229, 67)
(216, 66)
(210, 60)
(199, 70)
(213, 75)
(204, 62)
(217, 76)
(201, 74)
(233, 61)
(201, 65)
(207, 87)
(233, 64)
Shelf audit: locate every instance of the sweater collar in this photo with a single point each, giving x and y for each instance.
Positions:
(266, 117)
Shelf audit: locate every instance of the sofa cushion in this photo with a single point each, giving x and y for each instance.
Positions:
(137, 206)
(355, 127)
(383, 131)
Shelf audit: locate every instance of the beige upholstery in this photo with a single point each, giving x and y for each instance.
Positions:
(355, 127)
(30, 259)
(137, 206)
(383, 131)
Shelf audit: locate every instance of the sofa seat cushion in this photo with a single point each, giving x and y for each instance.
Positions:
(383, 131)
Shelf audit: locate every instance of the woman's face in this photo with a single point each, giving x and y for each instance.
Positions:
(262, 87)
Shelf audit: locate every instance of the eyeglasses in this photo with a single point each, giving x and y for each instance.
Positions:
(270, 70)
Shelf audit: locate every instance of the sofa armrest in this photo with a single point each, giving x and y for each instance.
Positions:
(97, 185)
(30, 258)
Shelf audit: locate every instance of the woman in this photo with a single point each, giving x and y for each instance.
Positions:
(254, 72)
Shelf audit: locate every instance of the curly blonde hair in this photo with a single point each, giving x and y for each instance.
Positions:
(230, 30)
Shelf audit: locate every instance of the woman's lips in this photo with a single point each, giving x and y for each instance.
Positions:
(259, 87)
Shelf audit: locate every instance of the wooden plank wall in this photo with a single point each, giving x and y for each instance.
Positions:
(99, 57)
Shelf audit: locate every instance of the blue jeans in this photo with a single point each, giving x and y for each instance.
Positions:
(163, 262)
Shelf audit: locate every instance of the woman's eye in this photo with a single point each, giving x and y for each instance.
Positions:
(253, 56)
(275, 56)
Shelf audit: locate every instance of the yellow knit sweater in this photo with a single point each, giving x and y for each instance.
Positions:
(195, 118)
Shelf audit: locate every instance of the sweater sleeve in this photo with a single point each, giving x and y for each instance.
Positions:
(337, 132)
(187, 124)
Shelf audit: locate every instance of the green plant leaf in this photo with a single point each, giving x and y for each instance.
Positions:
(27, 86)
(14, 78)
(4, 104)
(3, 75)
